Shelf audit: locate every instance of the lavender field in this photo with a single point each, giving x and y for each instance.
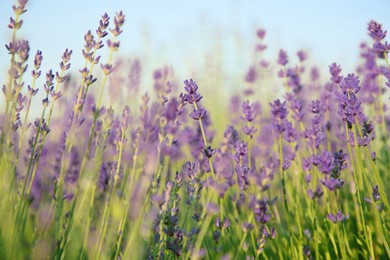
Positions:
(94, 166)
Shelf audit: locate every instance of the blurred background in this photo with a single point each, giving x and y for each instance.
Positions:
(196, 34)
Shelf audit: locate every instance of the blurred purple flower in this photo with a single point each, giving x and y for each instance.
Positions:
(251, 75)
(261, 212)
(278, 109)
(302, 55)
(282, 58)
(209, 152)
(331, 183)
(335, 71)
(261, 33)
(339, 217)
(316, 194)
(375, 193)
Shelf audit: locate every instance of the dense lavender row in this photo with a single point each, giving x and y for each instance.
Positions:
(304, 176)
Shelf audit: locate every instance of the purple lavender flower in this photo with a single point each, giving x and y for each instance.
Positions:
(315, 74)
(282, 58)
(106, 170)
(198, 114)
(325, 162)
(332, 184)
(189, 169)
(107, 68)
(231, 135)
(209, 152)
(261, 33)
(367, 128)
(375, 193)
(316, 194)
(302, 55)
(307, 163)
(241, 153)
(386, 72)
(278, 109)
(261, 212)
(192, 96)
(314, 133)
(373, 156)
(251, 75)
(339, 163)
(290, 133)
(125, 118)
(171, 109)
(335, 71)
(103, 24)
(190, 86)
(339, 217)
(222, 225)
(286, 164)
(119, 20)
(293, 79)
(249, 111)
(246, 227)
(241, 159)
(350, 84)
(315, 107)
(296, 107)
(269, 234)
(375, 31)
(381, 49)
(349, 109)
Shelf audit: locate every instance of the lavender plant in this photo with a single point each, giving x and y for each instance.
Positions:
(304, 177)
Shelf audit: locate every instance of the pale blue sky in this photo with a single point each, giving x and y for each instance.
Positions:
(174, 31)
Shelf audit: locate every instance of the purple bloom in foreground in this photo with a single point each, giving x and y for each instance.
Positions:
(339, 217)
(198, 114)
(192, 96)
(325, 162)
(249, 111)
(375, 31)
(278, 109)
(350, 84)
(209, 152)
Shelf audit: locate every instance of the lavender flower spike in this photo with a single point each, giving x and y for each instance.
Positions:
(339, 217)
